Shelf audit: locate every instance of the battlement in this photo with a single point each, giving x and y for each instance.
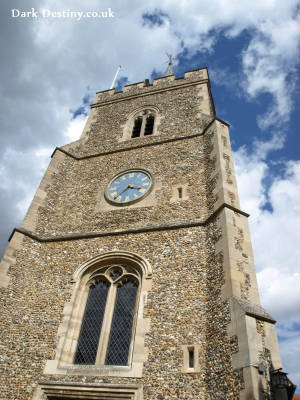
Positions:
(163, 82)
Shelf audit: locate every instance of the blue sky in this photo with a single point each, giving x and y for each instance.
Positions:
(51, 69)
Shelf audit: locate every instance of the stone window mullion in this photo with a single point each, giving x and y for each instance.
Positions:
(102, 348)
(143, 125)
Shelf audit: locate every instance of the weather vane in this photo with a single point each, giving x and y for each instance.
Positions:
(169, 70)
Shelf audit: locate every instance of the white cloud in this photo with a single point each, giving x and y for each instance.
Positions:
(280, 292)
(267, 68)
(289, 346)
(75, 128)
(250, 169)
(271, 55)
(58, 59)
(276, 238)
(20, 174)
(276, 242)
(274, 215)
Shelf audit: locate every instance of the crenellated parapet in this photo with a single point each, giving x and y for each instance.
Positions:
(145, 87)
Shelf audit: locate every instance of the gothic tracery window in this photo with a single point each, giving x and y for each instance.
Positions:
(107, 325)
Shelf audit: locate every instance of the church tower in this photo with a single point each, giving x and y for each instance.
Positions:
(132, 275)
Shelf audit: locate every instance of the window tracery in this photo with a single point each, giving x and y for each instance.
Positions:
(110, 307)
(113, 272)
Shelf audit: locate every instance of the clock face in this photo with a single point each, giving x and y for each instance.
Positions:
(129, 187)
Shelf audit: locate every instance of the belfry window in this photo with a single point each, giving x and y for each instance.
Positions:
(143, 124)
(149, 125)
(136, 131)
(107, 325)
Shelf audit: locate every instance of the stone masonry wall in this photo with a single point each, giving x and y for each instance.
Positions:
(185, 304)
(182, 111)
(185, 307)
(75, 196)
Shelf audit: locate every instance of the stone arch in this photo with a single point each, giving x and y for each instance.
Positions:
(141, 112)
(69, 329)
(118, 256)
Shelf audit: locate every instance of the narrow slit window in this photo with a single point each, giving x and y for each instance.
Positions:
(191, 357)
(136, 131)
(91, 324)
(149, 125)
(179, 192)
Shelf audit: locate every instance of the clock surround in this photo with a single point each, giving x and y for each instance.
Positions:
(129, 187)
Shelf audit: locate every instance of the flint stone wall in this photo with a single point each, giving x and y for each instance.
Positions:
(75, 196)
(183, 111)
(184, 306)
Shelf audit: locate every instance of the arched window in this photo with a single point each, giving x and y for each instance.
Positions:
(110, 307)
(136, 130)
(149, 125)
(143, 123)
(102, 332)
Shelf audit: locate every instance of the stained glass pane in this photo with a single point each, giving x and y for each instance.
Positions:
(122, 323)
(91, 324)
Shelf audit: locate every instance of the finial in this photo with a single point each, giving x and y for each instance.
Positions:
(169, 70)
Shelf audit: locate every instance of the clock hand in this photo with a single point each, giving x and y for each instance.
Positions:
(134, 187)
(123, 190)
